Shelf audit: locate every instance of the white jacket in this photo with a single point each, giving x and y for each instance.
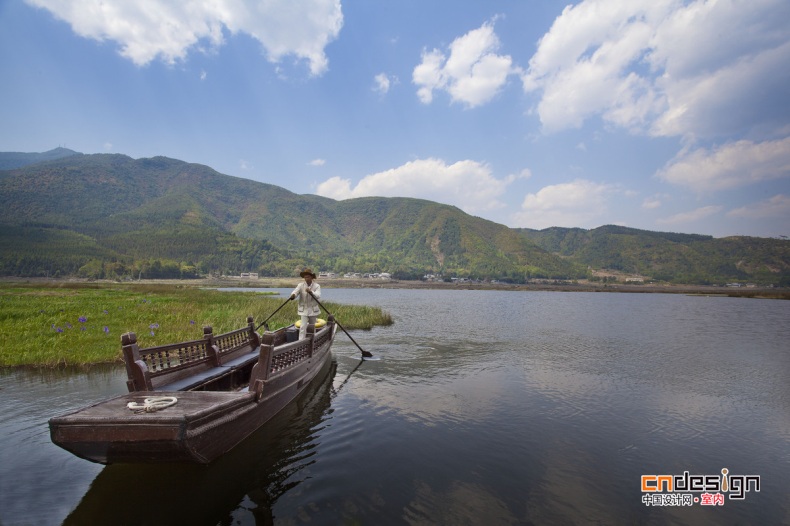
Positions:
(307, 305)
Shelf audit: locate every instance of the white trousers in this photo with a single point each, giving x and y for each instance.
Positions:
(305, 321)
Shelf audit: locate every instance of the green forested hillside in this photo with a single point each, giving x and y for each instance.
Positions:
(666, 256)
(52, 252)
(114, 216)
(9, 160)
(417, 237)
(163, 217)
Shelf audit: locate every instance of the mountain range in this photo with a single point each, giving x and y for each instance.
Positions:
(111, 216)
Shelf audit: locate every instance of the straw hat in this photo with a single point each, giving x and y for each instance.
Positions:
(307, 272)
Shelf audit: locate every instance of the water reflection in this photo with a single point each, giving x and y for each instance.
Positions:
(245, 482)
(456, 505)
(485, 408)
(39, 482)
(582, 394)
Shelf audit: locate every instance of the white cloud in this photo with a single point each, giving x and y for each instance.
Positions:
(467, 184)
(244, 165)
(203, 75)
(336, 188)
(747, 95)
(651, 203)
(167, 30)
(575, 204)
(317, 162)
(381, 83)
(428, 75)
(729, 166)
(582, 63)
(526, 173)
(665, 67)
(686, 218)
(107, 146)
(472, 74)
(777, 206)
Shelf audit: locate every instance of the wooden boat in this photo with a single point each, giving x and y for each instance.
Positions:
(195, 494)
(193, 401)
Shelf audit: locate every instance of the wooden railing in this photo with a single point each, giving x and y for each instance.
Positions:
(276, 360)
(196, 364)
(152, 368)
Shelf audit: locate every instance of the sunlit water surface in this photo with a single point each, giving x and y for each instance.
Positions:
(485, 407)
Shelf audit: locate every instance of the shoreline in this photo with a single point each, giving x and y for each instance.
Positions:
(67, 287)
(372, 283)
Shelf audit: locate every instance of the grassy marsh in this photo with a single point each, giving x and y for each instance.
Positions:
(81, 324)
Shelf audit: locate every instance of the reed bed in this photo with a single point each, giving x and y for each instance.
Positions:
(81, 324)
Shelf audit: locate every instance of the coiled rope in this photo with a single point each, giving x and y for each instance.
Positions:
(152, 404)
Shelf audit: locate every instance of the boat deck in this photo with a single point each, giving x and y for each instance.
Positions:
(228, 386)
(190, 405)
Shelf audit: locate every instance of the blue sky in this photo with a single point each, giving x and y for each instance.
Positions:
(664, 115)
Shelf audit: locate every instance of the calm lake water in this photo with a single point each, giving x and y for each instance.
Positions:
(486, 407)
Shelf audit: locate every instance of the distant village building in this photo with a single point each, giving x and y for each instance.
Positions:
(357, 275)
(249, 275)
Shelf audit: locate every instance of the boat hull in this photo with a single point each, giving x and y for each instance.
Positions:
(200, 427)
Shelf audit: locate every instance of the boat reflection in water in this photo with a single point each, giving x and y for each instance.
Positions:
(248, 480)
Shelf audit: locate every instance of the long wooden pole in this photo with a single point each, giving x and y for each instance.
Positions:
(272, 314)
(365, 353)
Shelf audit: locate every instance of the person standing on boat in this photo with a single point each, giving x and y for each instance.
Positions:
(308, 308)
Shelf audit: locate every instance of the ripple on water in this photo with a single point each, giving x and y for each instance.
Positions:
(485, 407)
